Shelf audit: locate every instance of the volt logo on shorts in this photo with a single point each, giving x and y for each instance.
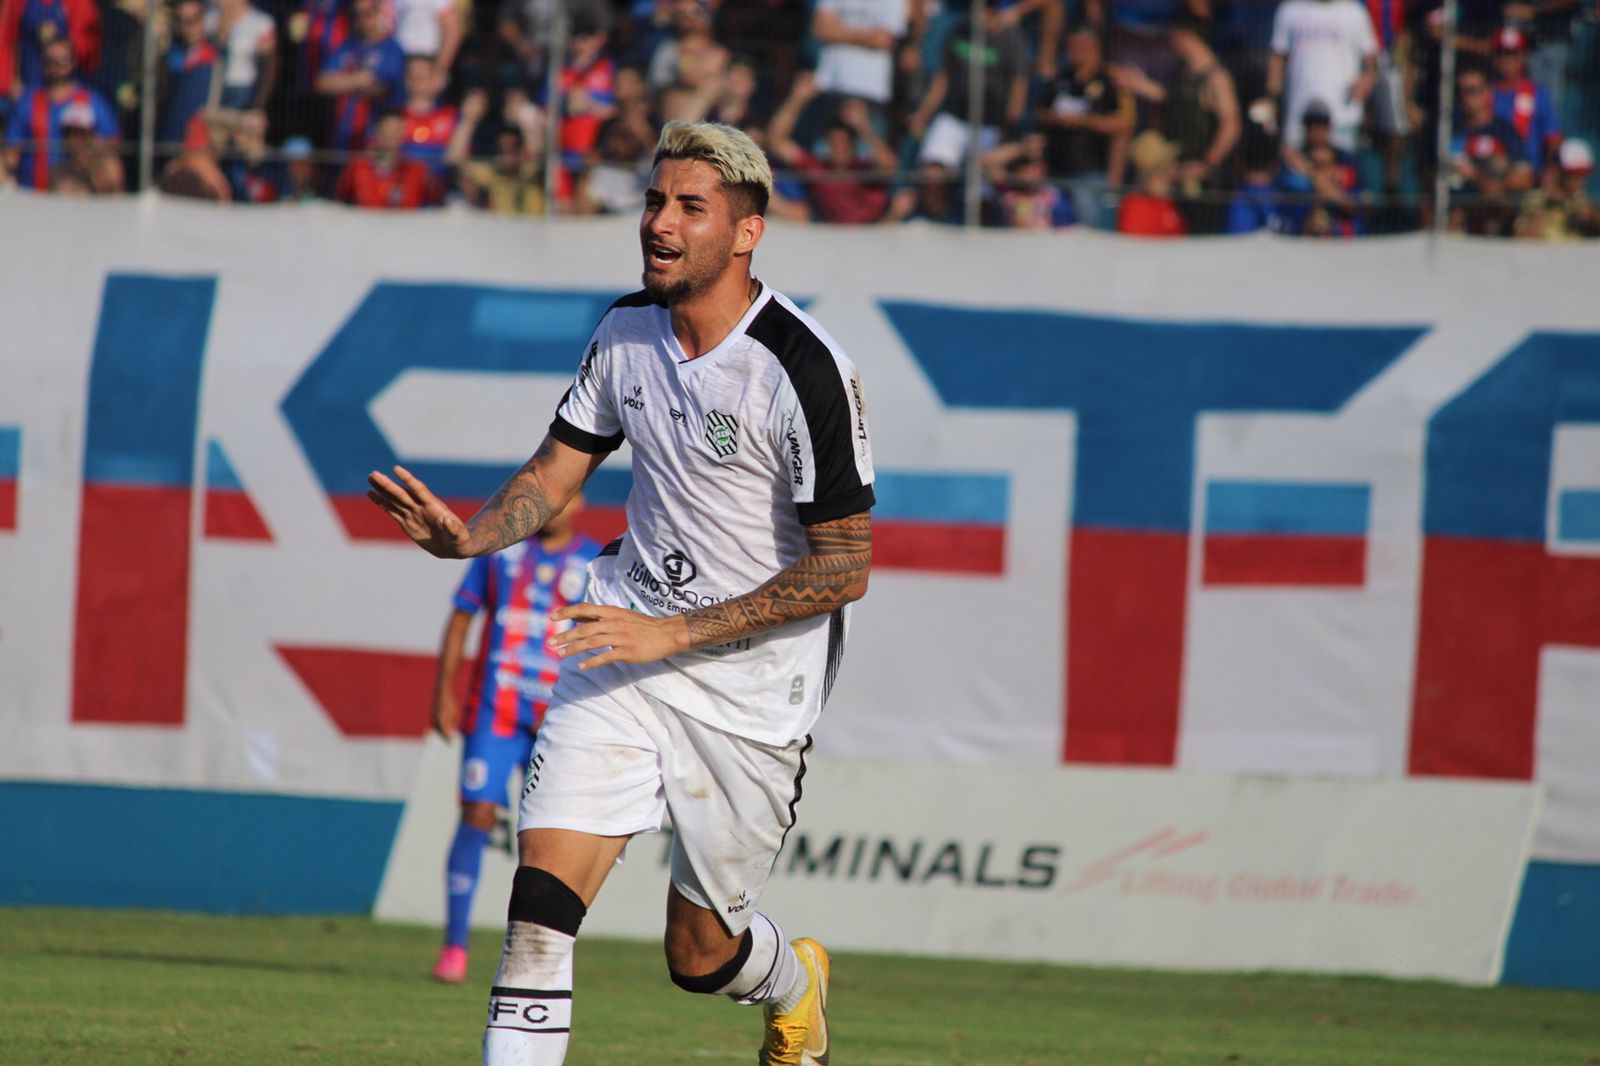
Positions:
(530, 1010)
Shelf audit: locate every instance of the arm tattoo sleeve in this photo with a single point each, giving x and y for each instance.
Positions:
(834, 574)
(517, 509)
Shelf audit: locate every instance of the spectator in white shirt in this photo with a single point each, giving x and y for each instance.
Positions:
(1321, 50)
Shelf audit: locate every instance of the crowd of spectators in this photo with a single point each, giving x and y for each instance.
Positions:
(1153, 117)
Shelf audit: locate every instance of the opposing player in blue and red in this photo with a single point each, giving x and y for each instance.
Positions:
(516, 589)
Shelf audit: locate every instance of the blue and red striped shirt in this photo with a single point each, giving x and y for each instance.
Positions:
(516, 667)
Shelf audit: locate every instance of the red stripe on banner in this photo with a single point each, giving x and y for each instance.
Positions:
(1278, 559)
(8, 505)
(940, 547)
(604, 524)
(367, 693)
(1488, 608)
(364, 520)
(1125, 617)
(231, 515)
(130, 646)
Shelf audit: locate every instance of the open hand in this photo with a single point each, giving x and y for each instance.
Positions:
(627, 636)
(422, 515)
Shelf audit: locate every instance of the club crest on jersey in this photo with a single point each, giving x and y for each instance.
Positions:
(722, 433)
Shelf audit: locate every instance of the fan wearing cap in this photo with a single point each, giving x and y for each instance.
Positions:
(36, 121)
(1562, 211)
(1522, 102)
(1322, 181)
(1149, 211)
(87, 166)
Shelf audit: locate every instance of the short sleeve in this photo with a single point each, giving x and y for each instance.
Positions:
(1280, 30)
(1369, 36)
(473, 592)
(897, 18)
(586, 418)
(820, 432)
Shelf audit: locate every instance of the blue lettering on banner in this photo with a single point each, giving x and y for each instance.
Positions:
(400, 327)
(1138, 387)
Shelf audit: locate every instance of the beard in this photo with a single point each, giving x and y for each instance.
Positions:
(698, 271)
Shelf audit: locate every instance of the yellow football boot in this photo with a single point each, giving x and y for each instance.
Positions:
(800, 1037)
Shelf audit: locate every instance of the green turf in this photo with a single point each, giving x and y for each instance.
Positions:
(137, 988)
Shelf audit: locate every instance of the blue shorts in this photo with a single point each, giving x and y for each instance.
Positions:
(487, 763)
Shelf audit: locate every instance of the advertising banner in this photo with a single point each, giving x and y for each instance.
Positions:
(1107, 867)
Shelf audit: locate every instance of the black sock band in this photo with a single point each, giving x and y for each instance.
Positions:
(540, 897)
(722, 977)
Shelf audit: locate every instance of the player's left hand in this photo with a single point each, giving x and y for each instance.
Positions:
(626, 636)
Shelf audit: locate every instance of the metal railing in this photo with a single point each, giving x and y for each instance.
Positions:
(557, 112)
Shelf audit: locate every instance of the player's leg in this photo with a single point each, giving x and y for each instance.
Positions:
(756, 967)
(593, 781)
(725, 840)
(530, 1005)
(487, 764)
(463, 863)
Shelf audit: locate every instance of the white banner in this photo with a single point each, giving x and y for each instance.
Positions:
(1227, 506)
(1103, 867)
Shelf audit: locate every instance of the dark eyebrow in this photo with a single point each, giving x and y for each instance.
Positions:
(686, 197)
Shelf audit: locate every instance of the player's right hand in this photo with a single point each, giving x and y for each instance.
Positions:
(422, 515)
(446, 713)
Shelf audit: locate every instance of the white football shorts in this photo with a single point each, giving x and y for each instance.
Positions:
(611, 760)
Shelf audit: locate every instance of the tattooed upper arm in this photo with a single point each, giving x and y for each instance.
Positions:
(850, 535)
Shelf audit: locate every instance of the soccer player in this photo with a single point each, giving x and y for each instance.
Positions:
(714, 626)
(516, 589)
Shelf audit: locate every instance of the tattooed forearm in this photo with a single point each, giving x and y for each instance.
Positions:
(834, 574)
(516, 511)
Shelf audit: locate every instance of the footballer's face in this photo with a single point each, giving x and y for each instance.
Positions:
(688, 234)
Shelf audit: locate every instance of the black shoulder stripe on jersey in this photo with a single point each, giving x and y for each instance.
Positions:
(815, 378)
(582, 439)
(850, 503)
(634, 299)
(614, 548)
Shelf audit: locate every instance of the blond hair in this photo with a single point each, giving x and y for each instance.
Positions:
(746, 175)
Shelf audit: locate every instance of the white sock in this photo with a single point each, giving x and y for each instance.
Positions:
(530, 1007)
(772, 974)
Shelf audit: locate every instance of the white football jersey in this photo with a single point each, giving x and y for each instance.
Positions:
(734, 453)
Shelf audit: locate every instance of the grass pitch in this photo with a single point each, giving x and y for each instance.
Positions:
(138, 988)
